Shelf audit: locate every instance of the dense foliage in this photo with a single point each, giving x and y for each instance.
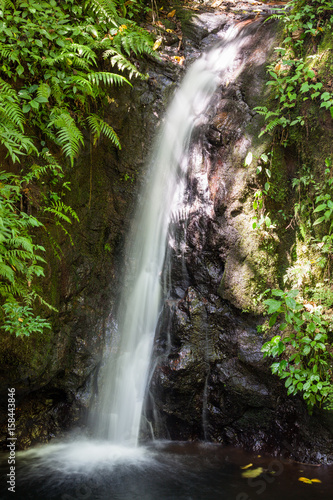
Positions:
(52, 89)
(293, 74)
(303, 348)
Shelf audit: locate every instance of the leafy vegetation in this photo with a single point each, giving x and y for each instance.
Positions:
(294, 78)
(303, 348)
(52, 89)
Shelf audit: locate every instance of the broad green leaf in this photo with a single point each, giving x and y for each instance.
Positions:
(272, 320)
(273, 305)
(291, 303)
(321, 207)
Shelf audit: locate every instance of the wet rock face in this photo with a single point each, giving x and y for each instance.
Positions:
(209, 379)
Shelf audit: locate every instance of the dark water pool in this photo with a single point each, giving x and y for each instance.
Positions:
(88, 470)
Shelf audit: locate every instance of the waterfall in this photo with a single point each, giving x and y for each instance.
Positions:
(125, 376)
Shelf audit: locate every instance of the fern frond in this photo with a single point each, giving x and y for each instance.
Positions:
(99, 126)
(66, 59)
(12, 289)
(84, 51)
(60, 209)
(107, 78)
(35, 296)
(69, 135)
(270, 126)
(20, 241)
(105, 9)
(10, 109)
(16, 253)
(15, 142)
(6, 4)
(58, 214)
(82, 82)
(44, 90)
(7, 89)
(134, 39)
(119, 60)
(56, 93)
(37, 171)
(5, 52)
(6, 272)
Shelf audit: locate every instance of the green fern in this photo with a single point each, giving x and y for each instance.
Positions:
(134, 39)
(85, 52)
(119, 60)
(62, 213)
(99, 126)
(271, 125)
(44, 91)
(6, 4)
(5, 52)
(7, 272)
(19, 261)
(56, 93)
(105, 9)
(10, 108)
(82, 82)
(67, 58)
(69, 135)
(60, 210)
(107, 78)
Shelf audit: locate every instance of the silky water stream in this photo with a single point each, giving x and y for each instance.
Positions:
(112, 465)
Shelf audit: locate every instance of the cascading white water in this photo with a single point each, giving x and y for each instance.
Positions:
(125, 376)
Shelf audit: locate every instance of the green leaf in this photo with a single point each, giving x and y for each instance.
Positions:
(288, 382)
(291, 303)
(273, 305)
(34, 104)
(321, 207)
(272, 320)
(41, 99)
(305, 87)
(306, 350)
(319, 221)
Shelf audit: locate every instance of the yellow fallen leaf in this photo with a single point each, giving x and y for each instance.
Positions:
(172, 13)
(252, 472)
(180, 60)
(316, 480)
(305, 480)
(20, 320)
(246, 466)
(157, 43)
(170, 31)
